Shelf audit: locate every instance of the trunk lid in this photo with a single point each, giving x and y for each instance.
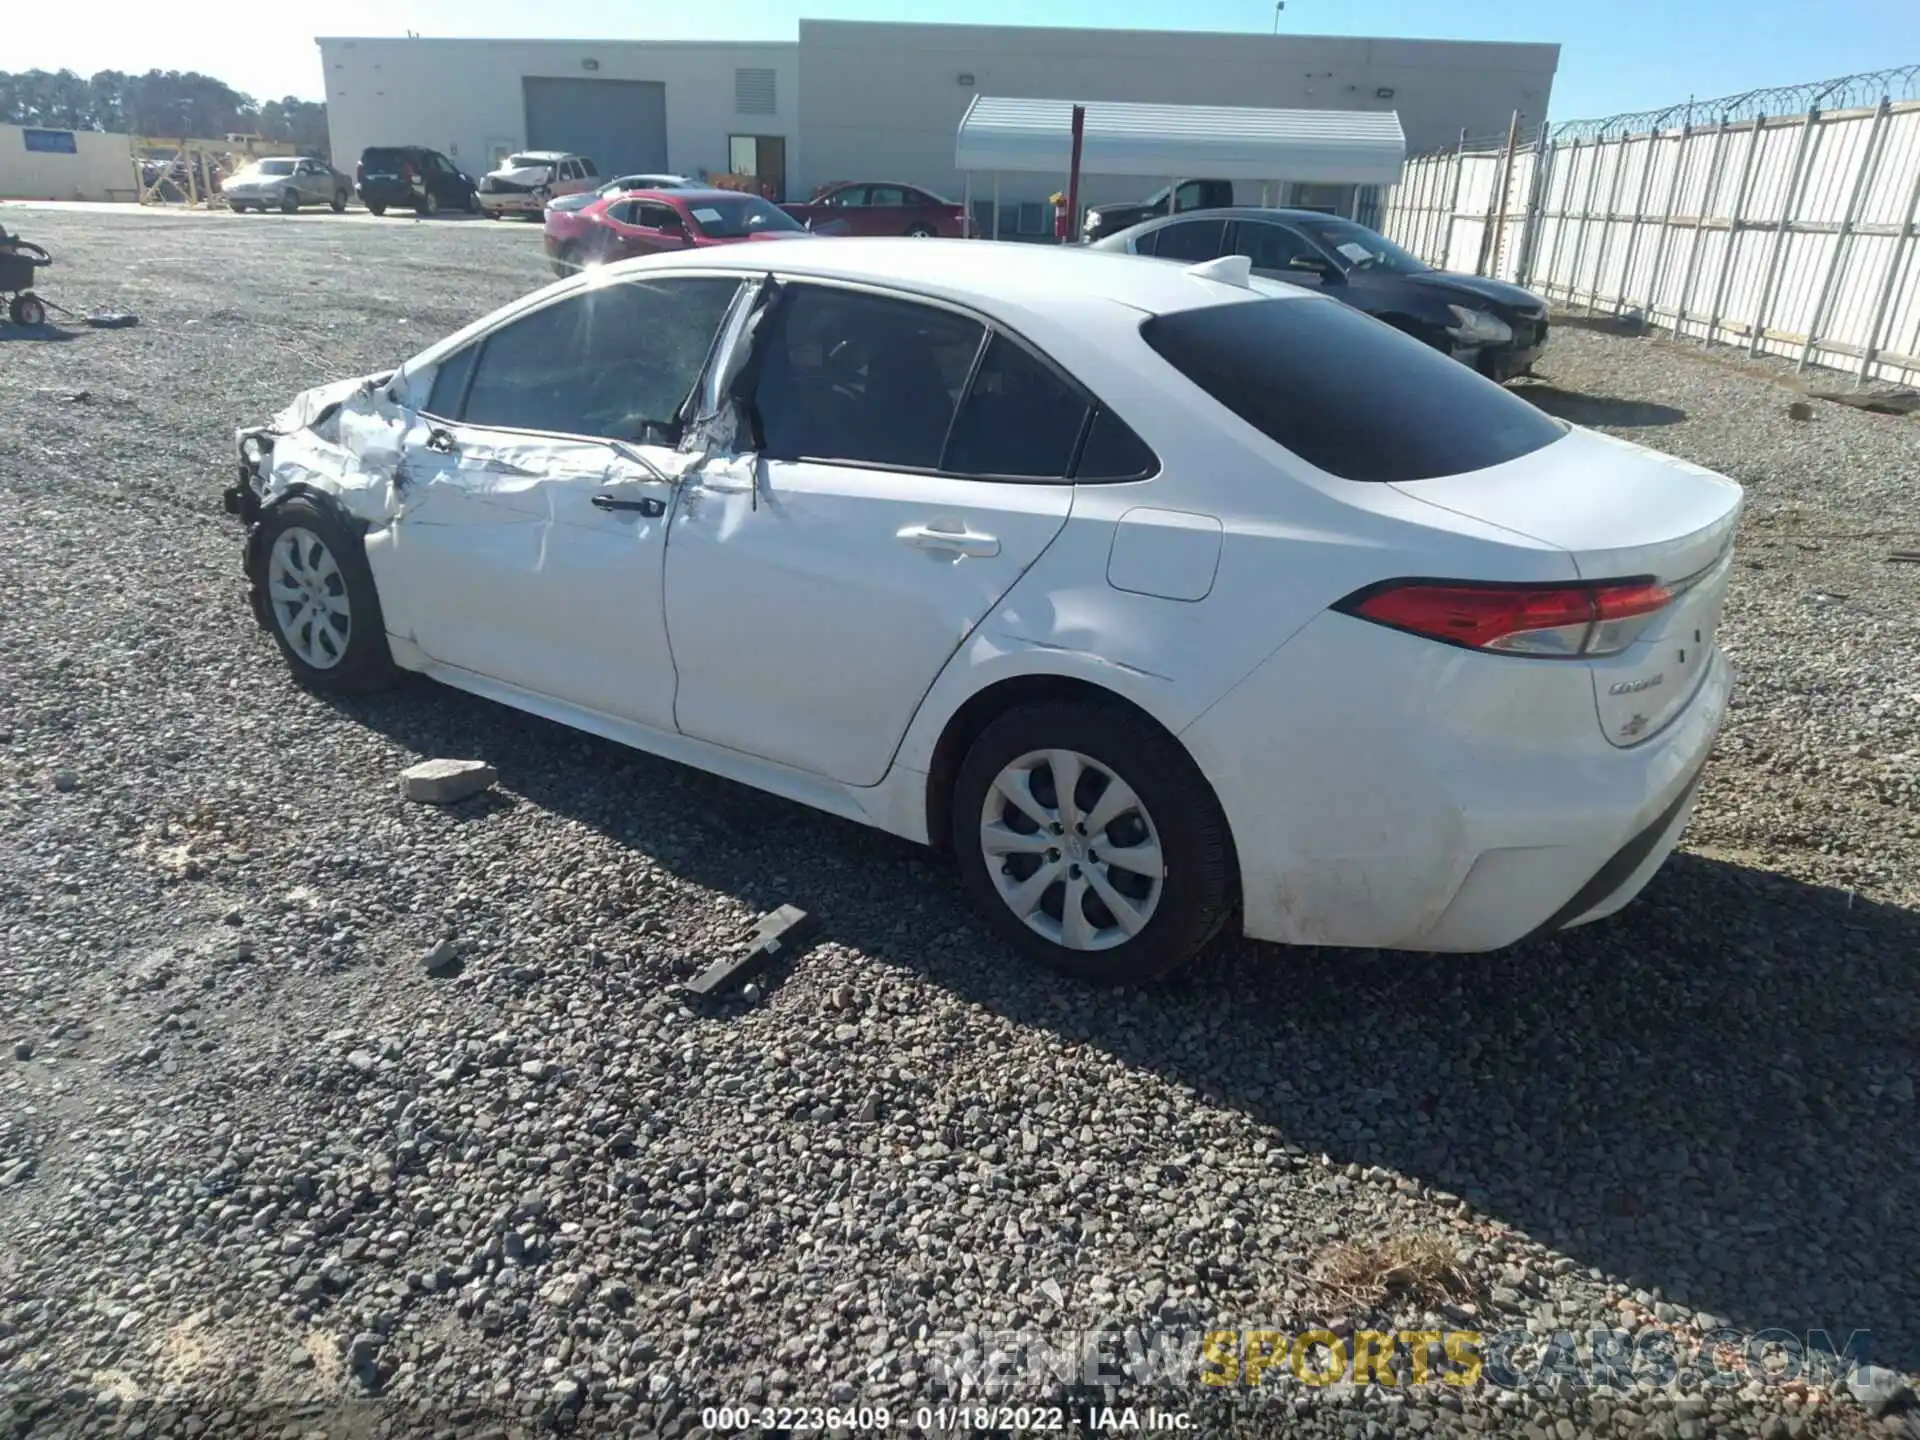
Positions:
(1620, 511)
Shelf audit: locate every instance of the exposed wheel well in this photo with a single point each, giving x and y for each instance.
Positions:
(983, 709)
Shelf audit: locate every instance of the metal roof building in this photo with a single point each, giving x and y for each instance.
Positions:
(884, 101)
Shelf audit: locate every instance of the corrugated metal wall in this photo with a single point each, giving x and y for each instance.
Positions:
(1790, 235)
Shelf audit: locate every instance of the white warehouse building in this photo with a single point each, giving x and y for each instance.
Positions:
(879, 101)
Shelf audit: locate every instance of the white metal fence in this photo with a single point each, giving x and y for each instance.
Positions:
(1785, 233)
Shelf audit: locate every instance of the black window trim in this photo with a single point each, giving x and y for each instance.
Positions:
(480, 343)
(793, 284)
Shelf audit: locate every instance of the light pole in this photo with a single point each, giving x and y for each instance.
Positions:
(1278, 6)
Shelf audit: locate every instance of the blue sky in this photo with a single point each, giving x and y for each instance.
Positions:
(1620, 55)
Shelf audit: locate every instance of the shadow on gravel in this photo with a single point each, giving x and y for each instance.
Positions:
(1570, 405)
(1710, 1094)
(14, 334)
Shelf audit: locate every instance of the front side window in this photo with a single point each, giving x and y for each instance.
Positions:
(1019, 418)
(450, 378)
(1362, 249)
(1347, 393)
(863, 378)
(1190, 240)
(1190, 196)
(616, 361)
(1270, 247)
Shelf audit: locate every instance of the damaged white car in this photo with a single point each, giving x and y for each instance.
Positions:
(1168, 599)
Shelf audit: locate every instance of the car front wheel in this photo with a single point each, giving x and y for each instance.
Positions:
(289, 202)
(314, 589)
(1091, 840)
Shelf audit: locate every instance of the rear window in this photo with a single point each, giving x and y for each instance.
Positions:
(1347, 393)
(383, 158)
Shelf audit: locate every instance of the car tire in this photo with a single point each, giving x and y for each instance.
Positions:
(27, 310)
(1170, 806)
(305, 551)
(424, 206)
(567, 261)
(472, 205)
(376, 209)
(339, 202)
(920, 232)
(289, 203)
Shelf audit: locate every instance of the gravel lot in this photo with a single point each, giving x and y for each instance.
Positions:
(255, 1160)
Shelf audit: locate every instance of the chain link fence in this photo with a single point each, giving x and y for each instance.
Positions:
(1781, 220)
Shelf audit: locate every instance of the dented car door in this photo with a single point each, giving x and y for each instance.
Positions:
(537, 483)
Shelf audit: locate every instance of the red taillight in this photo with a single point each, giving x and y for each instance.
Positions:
(1549, 621)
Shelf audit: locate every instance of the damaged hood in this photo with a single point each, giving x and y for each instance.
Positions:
(309, 405)
(527, 175)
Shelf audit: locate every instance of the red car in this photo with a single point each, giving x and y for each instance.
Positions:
(645, 222)
(877, 209)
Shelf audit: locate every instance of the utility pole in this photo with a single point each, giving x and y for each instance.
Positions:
(1278, 6)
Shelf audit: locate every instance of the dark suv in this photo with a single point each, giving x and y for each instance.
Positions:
(413, 176)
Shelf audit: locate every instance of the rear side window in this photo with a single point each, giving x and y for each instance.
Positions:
(863, 378)
(1114, 452)
(1192, 240)
(1019, 418)
(1347, 393)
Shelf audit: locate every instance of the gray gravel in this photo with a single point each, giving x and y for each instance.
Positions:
(311, 1093)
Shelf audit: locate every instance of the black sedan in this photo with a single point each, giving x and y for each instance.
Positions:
(1497, 328)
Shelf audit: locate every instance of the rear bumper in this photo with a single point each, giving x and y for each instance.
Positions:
(1432, 804)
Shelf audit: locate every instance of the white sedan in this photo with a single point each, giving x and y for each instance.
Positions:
(1167, 598)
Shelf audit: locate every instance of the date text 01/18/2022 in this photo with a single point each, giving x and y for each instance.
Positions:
(947, 1419)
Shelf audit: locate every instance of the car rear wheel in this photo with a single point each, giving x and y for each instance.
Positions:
(339, 202)
(1091, 841)
(376, 209)
(920, 232)
(314, 589)
(567, 261)
(289, 202)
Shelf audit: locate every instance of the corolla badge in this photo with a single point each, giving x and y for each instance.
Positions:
(1634, 687)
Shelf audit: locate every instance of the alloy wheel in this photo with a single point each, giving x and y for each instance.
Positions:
(309, 598)
(1072, 850)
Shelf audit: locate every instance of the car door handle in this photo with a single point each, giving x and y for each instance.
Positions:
(956, 542)
(652, 508)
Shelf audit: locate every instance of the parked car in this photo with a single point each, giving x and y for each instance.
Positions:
(1167, 598)
(617, 227)
(620, 185)
(1101, 221)
(286, 183)
(411, 176)
(528, 180)
(882, 209)
(1497, 328)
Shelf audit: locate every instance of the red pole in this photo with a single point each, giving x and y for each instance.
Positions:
(1073, 173)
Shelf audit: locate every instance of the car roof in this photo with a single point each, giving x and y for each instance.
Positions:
(976, 272)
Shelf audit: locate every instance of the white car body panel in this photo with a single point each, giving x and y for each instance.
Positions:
(836, 591)
(1382, 789)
